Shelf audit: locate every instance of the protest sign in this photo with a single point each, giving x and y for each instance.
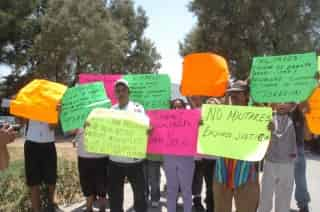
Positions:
(108, 80)
(38, 101)
(313, 115)
(235, 132)
(204, 74)
(117, 133)
(89, 78)
(174, 132)
(280, 79)
(153, 91)
(79, 101)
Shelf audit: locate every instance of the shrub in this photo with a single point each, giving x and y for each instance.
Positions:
(14, 194)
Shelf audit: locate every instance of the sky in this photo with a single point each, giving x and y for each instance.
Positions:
(169, 22)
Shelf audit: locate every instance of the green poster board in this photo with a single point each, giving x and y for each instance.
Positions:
(153, 91)
(236, 132)
(280, 79)
(79, 101)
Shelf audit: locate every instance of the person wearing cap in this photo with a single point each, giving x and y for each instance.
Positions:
(236, 179)
(122, 167)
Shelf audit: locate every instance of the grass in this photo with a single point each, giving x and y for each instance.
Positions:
(14, 194)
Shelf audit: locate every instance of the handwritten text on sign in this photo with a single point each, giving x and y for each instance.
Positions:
(174, 132)
(289, 78)
(151, 90)
(78, 102)
(235, 132)
(108, 133)
(108, 80)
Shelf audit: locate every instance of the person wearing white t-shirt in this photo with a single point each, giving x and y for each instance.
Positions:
(40, 161)
(122, 167)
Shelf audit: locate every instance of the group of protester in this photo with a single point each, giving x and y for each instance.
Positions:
(102, 177)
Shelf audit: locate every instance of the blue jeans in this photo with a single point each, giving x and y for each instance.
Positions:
(301, 193)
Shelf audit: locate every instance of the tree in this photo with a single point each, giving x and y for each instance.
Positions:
(19, 24)
(92, 36)
(242, 29)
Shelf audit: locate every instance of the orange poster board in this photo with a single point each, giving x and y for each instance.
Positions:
(38, 101)
(313, 116)
(204, 74)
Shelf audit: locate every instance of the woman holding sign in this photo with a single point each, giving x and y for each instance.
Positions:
(179, 172)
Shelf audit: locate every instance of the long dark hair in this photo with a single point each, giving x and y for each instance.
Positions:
(175, 100)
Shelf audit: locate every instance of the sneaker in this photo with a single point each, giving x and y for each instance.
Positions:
(155, 204)
(305, 209)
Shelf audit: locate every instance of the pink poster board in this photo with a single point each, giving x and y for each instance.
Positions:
(174, 132)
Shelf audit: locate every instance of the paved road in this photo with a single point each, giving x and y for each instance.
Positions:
(313, 175)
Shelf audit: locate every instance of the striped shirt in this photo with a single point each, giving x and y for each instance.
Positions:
(234, 173)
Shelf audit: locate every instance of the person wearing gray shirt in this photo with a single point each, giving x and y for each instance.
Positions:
(278, 176)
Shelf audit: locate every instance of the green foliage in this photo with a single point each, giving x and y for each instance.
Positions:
(242, 29)
(89, 35)
(62, 38)
(14, 194)
(18, 26)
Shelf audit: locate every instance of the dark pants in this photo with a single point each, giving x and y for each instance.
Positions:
(135, 175)
(203, 169)
(209, 166)
(197, 181)
(152, 176)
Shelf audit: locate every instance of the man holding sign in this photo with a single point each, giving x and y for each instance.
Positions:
(235, 178)
(121, 167)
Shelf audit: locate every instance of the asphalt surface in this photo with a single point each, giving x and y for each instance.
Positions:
(313, 178)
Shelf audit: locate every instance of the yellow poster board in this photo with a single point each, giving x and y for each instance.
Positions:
(38, 101)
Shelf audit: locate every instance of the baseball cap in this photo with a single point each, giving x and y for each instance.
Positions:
(238, 86)
(122, 82)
